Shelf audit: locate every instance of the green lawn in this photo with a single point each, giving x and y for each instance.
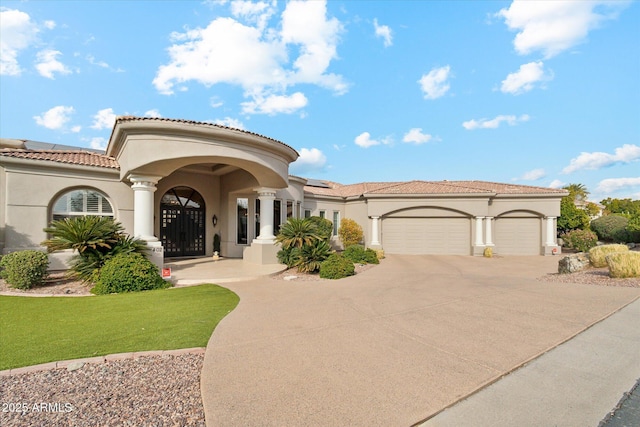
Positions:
(39, 330)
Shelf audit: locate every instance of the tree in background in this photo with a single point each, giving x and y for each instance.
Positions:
(571, 216)
(625, 207)
(578, 192)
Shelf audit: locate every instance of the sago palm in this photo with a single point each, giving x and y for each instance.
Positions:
(297, 233)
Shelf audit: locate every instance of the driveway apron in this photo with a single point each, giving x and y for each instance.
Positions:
(392, 345)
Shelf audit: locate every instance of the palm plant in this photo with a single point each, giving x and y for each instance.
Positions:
(297, 233)
(96, 239)
(311, 256)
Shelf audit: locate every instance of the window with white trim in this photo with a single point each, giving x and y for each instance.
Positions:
(81, 202)
(336, 222)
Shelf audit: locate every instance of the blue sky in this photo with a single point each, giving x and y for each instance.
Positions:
(537, 93)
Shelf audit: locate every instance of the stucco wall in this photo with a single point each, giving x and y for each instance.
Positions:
(33, 190)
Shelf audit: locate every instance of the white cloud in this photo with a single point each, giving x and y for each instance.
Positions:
(215, 102)
(104, 119)
(626, 154)
(230, 122)
(525, 78)
(434, 84)
(494, 123)
(17, 32)
(309, 160)
(555, 26)
(274, 104)
(55, 118)
(76, 128)
(533, 175)
(415, 136)
(48, 64)
(384, 32)
(153, 113)
(257, 57)
(556, 183)
(49, 25)
(364, 140)
(612, 185)
(98, 143)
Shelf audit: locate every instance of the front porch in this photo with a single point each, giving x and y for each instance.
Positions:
(194, 271)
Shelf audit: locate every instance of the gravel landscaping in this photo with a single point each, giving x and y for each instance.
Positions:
(156, 390)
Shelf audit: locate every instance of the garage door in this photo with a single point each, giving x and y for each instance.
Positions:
(517, 236)
(444, 236)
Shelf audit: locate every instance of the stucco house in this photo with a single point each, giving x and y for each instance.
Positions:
(176, 183)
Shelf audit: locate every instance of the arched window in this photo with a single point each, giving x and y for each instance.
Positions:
(81, 202)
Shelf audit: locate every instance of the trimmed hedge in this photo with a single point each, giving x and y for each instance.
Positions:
(597, 255)
(359, 255)
(24, 269)
(128, 273)
(624, 264)
(337, 267)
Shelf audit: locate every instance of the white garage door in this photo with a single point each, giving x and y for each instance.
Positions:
(517, 236)
(417, 236)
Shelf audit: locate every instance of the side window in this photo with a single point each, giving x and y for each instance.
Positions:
(81, 202)
(336, 222)
(323, 214)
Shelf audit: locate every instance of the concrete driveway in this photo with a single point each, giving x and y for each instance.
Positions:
(391, 346)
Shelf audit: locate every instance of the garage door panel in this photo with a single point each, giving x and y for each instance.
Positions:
(428, 236)
(517, 236)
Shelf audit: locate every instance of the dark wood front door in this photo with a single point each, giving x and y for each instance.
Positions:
(182, 227)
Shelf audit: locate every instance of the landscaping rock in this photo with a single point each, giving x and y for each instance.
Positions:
(573, 263)
(74, 366)
(290, 277)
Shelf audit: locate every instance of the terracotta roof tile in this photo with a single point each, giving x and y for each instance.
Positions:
(79, 157)
(426, 187)
(120, 119)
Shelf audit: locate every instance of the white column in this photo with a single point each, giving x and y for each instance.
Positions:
(551, 231)
(374, 231)
(266, 197)
(487, 231)
(143, 188)
(479, 241)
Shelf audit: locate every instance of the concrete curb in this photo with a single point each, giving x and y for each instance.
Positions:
(100, 359)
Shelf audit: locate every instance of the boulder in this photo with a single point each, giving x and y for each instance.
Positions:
(573, 263)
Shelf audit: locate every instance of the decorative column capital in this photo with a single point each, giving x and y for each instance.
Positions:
(143, 182)
(264, 192)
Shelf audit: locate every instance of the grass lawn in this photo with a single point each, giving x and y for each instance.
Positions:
(39, 330)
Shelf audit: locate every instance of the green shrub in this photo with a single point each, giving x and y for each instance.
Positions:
(350, 232)
(289, 256)
(96, 239)
(128, 273)
(296, 233)
(597, 255)
(324, 227)
(24, 269)
(337, 267)
(611, 228)
(359, 255)
(581, 240)
(624, 264)
(633, 229)
(311, 256)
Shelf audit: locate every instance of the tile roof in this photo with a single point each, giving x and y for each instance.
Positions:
(426, 187)
(74, 157)
(121, 119)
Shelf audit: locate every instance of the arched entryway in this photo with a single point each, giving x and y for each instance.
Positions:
(182, 226)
